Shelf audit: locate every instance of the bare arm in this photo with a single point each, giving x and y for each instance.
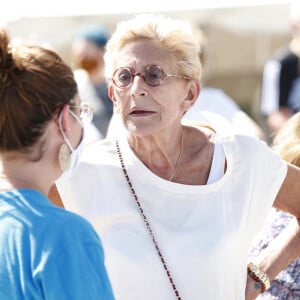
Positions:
(288, 197)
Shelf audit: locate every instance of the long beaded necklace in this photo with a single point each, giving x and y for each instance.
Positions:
(147, 224)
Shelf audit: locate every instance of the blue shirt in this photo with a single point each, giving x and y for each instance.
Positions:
(47, 252)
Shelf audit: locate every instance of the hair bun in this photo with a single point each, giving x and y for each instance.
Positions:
(4, 40)
(6, 60)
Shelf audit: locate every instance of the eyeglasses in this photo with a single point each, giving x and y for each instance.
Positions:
(153, 76)
(86, 112)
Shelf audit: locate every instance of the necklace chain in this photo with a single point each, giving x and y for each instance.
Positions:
(178, 159)
(146, 222)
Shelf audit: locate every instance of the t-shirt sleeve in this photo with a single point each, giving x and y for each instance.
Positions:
(266, 174)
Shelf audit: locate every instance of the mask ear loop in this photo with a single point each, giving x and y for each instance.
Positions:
(63, 132)
(79, 121)
(76, 118)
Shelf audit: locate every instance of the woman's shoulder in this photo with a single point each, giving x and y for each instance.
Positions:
(256, 153)
(31, 212)
(249, 145)
(230, 140)
(69, 227)
(244, 141)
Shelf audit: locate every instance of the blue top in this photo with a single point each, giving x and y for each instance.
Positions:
(47, 252)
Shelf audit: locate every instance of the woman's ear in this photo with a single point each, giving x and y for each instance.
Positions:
(112, 98)
(192, 94)
(111, 93)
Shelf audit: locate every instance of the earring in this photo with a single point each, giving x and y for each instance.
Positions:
(64, 157)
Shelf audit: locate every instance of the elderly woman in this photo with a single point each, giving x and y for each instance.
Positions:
(46, 252)
(176, 206)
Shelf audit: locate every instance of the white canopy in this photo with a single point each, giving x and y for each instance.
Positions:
(14, 9)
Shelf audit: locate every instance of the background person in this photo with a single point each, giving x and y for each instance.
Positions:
(281, 78)
(176, 206)
(46, 252)
(87, 56)
(287, 284)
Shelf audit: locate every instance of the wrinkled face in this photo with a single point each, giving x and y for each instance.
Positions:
(146, 109)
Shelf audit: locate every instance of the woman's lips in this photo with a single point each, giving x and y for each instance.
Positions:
(141, 112)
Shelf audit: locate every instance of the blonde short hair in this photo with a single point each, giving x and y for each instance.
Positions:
(175, 36)
(287, 141)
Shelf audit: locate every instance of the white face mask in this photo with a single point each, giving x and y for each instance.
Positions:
(75, 153)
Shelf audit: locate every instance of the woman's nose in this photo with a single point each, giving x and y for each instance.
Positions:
(139, 86)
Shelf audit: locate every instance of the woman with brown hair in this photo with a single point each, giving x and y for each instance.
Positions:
(46, 252)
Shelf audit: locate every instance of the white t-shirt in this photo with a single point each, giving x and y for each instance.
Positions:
(204, 232)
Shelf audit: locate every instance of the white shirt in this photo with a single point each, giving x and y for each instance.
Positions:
(204, 232)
